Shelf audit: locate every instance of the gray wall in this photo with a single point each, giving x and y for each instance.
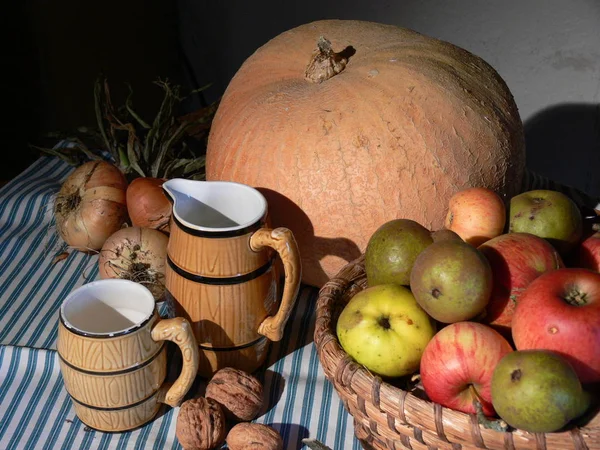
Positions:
(548, 52)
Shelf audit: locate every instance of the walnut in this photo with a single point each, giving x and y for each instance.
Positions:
(200, 424)
(239, 393)
(254, 436)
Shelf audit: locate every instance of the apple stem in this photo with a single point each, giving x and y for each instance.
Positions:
(492, 424)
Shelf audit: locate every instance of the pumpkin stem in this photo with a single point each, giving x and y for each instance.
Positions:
(326, 63)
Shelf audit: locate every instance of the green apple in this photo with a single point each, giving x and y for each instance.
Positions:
(384, 328)
(548, 214)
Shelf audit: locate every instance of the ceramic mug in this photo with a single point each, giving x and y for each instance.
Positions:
(221, 271)
(113, 355)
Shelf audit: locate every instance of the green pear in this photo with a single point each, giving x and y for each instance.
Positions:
(548, 214)
(392, 250)
(452, 281)
(445, 235)
(537, 391)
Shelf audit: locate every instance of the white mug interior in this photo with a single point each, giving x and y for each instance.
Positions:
(107, 307)
(215, 205)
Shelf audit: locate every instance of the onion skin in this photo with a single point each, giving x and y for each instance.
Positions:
(138, 254)
(147, 204)
(90, 205)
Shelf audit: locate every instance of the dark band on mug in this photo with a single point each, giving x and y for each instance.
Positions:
(219, 234)
(116, 408)
(114, 372)
(237, 279)
(232, 348)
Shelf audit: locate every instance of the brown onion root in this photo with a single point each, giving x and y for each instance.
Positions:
(137, 254)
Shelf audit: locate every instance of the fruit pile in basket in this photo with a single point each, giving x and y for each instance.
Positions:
(498, 313)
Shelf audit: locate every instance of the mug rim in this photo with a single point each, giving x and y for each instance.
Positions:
(242, 228)
(108, 334)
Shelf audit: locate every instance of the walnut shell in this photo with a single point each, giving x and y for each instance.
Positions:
(200, 424)
(254, 436)
(239, 393)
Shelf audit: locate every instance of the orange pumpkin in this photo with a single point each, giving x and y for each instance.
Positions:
(385, 124)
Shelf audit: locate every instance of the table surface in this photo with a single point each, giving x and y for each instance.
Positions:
(35, 409)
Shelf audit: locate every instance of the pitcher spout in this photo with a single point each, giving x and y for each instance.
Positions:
(214, 206)
(176, 187)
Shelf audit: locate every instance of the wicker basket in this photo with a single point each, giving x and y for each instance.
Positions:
(388, 417)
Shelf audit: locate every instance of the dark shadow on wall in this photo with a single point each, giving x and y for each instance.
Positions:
(217, 37)
(563, 144)
(20, 92)
(54, 51)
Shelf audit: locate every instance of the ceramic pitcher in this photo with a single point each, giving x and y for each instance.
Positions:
(221, 274)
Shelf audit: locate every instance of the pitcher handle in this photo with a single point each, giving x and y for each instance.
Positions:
(283, 242)
(179, 331)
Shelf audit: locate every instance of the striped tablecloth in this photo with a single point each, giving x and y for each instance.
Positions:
(35, 410)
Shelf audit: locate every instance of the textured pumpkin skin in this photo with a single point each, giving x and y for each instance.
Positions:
(409, 122)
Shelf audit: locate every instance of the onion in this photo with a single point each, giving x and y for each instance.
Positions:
(90, 205)
(147, 204)
(138, 254)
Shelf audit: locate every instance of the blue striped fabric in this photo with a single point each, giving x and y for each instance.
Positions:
(35, 410)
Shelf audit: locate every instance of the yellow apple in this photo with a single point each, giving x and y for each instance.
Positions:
(384, 328)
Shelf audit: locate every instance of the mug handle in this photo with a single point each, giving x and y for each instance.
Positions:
(283, 242)
(179, 331)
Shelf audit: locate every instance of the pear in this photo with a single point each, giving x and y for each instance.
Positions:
(392, 250)
(451, 280)
(445, 235)
(537, 391)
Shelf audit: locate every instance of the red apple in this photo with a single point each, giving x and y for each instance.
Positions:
(476, 215)
(560, 311)
(516, 260)
(459, 356)
(587, 253)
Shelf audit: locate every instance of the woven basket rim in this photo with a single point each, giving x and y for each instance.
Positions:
(388, 411)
